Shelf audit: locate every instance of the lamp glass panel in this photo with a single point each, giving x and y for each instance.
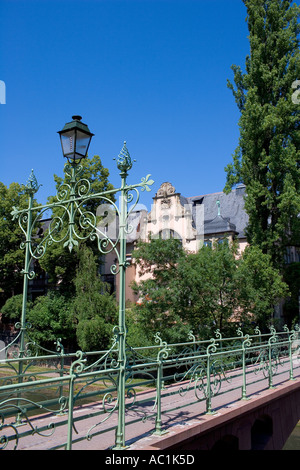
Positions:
(82, 143)
(68, 143)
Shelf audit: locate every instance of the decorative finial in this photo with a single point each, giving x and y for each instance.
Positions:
(124, 162)
(32, 185)
(219, 207)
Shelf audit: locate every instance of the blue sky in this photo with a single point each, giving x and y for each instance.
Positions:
(151, 72)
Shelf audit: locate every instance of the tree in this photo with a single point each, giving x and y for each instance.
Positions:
(59, 263)
(267, 157)
(95, 310)
(209, 294)
(292, 305)
(156, 311)
(84, 321)
(12, 309)
(187, 291)
(11, 254)
(260, 287)
(203, 291)
(51, 318)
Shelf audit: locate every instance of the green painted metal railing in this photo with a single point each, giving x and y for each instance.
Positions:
(160, 380)
(50, 399)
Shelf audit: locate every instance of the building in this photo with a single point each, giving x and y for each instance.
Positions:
(194, 220)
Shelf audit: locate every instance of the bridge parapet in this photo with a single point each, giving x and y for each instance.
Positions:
(264, 422)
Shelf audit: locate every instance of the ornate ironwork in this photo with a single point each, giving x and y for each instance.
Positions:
(201, 368)
(72, 223)
(113, 378)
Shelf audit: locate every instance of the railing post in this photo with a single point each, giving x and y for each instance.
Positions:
(60, 350)
(26, 274)
(124, 164)
(258, 332)
(31, 188)
(246, 342)
(163, 354)
(209, 350)
(271, 340)
(70, 414)
(291, 337)
(219, 336)
(76, 368)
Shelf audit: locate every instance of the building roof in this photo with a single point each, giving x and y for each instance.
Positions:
(219, 225)
(231, 210)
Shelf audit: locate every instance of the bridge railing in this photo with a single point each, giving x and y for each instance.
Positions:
(162, 381)
(233, 364)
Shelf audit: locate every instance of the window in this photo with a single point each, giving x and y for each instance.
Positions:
(167, 233)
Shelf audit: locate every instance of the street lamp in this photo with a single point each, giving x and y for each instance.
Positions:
(75, 139)
(75, 223)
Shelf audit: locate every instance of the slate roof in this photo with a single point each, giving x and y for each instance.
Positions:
(232, 212)
(219, 225)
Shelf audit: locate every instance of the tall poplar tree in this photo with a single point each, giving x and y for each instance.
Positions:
(268, 155)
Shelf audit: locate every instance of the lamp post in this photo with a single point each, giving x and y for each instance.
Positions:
(124, 164)
(31, 188)
(71, 199)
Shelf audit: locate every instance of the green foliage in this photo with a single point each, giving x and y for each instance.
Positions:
(83, 321)
(12, 309)
(158, 256)
(51, 318)
(156, 312)
(136, 335)
(207, 281)
(11, 255)
(203, 291)
(95, 310)
(291, 306)
(261, 287)
(267, 157)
